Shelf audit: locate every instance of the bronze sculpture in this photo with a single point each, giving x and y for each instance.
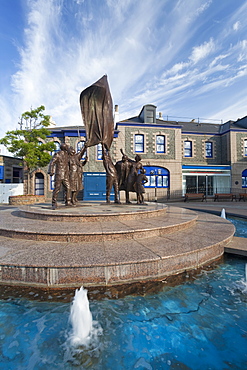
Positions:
(123, 170)
(59, 166)
(111, 176)
(97, 114)
(139, 186)
(96, 109)
(136, 165)
(76, 171)
(127, 172)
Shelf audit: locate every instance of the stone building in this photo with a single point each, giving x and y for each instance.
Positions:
(179, 157)
(11, 170)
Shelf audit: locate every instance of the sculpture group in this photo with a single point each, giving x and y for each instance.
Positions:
(67, 167)
(127, 174)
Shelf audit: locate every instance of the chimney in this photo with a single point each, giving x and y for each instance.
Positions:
(116, 115)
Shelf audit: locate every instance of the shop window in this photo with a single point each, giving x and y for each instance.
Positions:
(188, 148)
(160, 144)
(208, 149)
(244, 179)
(158, 177)
(139, 143)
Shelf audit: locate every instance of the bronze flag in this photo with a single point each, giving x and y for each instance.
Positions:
(97, 113)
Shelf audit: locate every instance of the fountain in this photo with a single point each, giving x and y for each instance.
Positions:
(171, 327)
(223, 213)
(80, 318)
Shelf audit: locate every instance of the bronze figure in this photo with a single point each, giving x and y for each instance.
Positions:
(123, 170)
(139, 186)
(127, 172)
(59, 166)
(111, 176)
(97, 114)
(76, 171)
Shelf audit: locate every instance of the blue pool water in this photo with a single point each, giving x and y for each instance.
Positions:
(198, 324)
(240, 225)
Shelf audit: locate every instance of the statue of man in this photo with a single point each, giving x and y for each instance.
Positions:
(139, 186)
(123, 169)
(59, 166)
(111, 175)
(75, 172)
(127, 171)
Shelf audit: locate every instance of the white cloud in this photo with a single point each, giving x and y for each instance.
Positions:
(236, 26)
(202, 51)
(202, 8)
(151, 54)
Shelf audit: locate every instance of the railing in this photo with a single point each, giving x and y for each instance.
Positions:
(165, 194)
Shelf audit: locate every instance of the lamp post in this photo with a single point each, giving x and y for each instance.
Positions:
(153, 173)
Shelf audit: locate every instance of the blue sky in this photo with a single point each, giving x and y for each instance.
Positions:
(189, 58)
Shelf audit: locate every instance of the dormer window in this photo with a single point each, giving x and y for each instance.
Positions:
(150, 116)
(148, 113)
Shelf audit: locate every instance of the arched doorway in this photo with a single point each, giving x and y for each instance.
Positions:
(39, 184)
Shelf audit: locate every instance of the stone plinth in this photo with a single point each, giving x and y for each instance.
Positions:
(99, 245)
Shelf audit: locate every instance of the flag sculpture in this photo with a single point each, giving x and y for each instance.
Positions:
(97, 114)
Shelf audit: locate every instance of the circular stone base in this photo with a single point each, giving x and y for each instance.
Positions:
(104, 245)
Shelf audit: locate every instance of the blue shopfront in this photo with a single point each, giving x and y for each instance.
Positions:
(95, 182)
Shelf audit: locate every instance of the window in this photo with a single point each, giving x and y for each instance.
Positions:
(80, 145)
(17, 174)
(208, 149)
(99, 152)
(150, 116)
(57, 147)
(245, 147)
(188, 148)
(139, 143)
(52, 182)
(160, 144)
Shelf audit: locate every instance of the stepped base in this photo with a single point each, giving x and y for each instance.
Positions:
(95, 245)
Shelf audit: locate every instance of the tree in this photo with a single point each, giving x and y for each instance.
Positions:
(29, 143)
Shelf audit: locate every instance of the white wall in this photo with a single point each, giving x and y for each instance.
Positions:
(10, 189)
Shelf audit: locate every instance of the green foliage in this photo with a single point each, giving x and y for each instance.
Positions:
(30, 143)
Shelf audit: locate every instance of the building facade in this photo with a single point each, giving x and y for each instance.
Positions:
(11, 170)
(179, 157)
